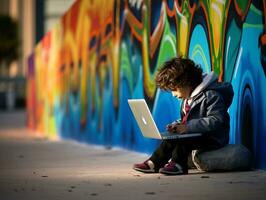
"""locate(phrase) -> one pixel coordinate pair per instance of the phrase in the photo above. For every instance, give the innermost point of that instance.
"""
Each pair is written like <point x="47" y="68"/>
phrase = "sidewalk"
<point x="35" y="168"/>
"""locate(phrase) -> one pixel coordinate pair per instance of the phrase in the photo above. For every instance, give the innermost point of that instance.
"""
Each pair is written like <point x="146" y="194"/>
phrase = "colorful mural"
<point x="104" y="52"/>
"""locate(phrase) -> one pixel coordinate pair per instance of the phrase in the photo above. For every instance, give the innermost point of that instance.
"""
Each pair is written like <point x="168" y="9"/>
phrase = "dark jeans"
<point x="179" y="150"/>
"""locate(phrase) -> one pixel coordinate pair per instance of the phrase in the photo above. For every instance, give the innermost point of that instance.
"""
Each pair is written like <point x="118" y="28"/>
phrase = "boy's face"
<point x="182" y="93"/>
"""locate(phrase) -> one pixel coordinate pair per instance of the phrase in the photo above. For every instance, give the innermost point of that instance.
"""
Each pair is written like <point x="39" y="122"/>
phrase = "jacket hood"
<point x="210" y="82"/>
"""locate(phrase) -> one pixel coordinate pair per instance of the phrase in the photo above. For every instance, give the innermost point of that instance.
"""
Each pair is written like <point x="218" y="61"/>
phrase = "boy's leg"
<point x="184" y="147"/>
<point x="179" y="158"/>
<point x="163" y="153"/>
<point x="158" y="159"/>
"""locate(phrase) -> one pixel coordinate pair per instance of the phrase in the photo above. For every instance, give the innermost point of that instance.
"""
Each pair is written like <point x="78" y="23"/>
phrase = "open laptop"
<point x="147" y="125"/>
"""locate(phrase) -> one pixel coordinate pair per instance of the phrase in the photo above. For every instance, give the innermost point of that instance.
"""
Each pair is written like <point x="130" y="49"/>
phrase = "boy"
<point x="204" y="109"/>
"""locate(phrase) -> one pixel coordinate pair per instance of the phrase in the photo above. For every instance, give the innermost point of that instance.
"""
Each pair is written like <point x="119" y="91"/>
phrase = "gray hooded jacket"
<point x="208" y="109"/>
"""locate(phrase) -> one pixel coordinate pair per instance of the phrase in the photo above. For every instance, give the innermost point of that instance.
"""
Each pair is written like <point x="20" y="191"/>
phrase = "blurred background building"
<point x="31" y="19"/>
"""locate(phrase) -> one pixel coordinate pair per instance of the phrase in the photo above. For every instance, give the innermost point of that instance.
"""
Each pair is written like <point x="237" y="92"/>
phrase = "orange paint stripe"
<point x="240" y="12"/>
<point x="157" y="34"/>
<point x="133" y="22"/>
<point x="169" y="12"/>
<point x="137" y="36"/>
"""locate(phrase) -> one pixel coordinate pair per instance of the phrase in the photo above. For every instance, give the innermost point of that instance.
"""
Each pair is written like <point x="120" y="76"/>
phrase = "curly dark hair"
<point x="178" y="72"/>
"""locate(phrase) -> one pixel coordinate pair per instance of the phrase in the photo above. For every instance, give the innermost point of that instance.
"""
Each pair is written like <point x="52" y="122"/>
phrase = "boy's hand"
<point x="170" y="128"/>
<point x="176" y="128"/>
<point x="181" y="128"/>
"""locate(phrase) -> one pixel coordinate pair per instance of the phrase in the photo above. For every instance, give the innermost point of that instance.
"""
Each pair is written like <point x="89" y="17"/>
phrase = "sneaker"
<point x="172" y="168"/>
<point x="145" y="167"/>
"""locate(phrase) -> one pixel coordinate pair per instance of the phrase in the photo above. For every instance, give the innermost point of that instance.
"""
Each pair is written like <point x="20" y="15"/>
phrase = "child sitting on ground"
<point x="205" y="102"/>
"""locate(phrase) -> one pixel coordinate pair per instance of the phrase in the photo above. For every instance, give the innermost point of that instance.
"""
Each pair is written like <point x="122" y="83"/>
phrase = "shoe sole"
<point x="172" y="173"/>
<point x="144" y="171"/>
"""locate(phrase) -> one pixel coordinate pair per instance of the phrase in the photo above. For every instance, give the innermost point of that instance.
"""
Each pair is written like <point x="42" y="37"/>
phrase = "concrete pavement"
<point x="35" y="168"/>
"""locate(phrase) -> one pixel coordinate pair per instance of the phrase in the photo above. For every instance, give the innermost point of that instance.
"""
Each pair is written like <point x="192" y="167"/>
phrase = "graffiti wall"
<point x="103" y="52"/>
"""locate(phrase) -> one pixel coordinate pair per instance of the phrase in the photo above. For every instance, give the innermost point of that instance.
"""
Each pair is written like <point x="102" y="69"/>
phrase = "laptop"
<point x="147" y="125"/>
